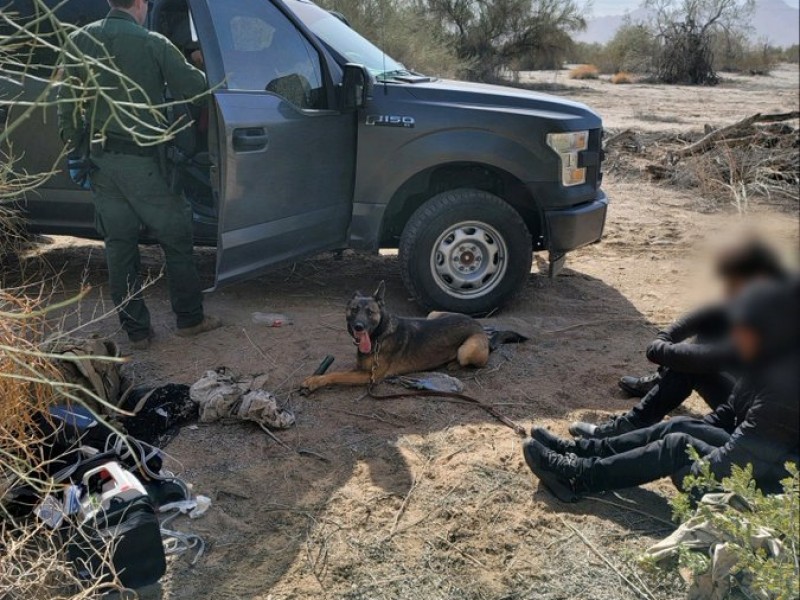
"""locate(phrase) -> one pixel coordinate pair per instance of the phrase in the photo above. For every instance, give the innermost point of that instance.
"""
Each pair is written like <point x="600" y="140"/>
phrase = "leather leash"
<point x="515" y="427"/>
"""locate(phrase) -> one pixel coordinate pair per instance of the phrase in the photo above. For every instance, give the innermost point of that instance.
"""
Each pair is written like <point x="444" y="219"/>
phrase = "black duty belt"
<point x="115" y="146"/>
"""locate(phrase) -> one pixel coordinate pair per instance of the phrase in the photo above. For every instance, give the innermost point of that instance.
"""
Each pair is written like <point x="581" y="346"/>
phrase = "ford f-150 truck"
<point x="314" y="140"/>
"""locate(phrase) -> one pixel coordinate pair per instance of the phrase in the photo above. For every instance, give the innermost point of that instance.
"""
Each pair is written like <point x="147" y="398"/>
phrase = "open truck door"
<point x="283" y="155"/>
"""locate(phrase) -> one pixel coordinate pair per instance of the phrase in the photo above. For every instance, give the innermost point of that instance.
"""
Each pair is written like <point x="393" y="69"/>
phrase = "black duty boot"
<point x="639" y="386"/>
<point x="553" y="442"/>
<point x="562" y="474"/>
<point x="616" y="425"/>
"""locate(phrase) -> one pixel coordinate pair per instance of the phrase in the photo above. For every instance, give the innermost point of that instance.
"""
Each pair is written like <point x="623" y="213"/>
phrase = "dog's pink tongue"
<point x="364" y="343"/>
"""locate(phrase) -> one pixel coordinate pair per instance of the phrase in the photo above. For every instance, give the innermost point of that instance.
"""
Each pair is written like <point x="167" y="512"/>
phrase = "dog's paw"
<point x="311" y="384"/>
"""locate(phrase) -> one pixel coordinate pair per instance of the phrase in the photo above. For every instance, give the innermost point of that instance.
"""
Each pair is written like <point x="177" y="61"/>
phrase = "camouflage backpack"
<point x="86" y="364"/>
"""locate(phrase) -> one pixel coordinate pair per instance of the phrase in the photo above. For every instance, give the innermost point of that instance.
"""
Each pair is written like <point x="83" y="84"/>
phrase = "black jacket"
<point x="710" y="352"/>
<point x="763" y="416"/>
<point x="763" y="412"/>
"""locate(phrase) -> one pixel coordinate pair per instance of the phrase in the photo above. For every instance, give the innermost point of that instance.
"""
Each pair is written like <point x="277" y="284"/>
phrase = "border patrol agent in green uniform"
<point x="129" y="188"/>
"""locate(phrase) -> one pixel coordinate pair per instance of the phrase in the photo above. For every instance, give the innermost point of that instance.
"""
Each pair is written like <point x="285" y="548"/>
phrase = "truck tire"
<point x="465" y="251"/>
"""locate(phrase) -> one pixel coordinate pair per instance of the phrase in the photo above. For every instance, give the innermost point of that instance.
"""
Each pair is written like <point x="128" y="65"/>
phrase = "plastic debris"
<point x="436" y="382"/>
<point x="195" y="508"/>
<point x="271" y="319"/>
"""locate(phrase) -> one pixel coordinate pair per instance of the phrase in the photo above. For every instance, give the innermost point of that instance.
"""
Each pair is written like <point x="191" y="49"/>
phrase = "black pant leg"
<point x="714" y="388"/>
<point x="601" y="448"/>
<point x="632" y="468"/>
<point x="699" y="430"/>
<point x="670" y="392"/>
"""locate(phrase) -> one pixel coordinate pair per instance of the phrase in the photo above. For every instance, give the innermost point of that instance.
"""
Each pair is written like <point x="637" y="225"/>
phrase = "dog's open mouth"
<point x="363" y="342"/>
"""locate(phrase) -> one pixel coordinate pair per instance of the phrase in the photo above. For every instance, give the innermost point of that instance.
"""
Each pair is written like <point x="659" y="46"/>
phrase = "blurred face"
<point x="746" y="341"/>
<point x="732" y="286"/>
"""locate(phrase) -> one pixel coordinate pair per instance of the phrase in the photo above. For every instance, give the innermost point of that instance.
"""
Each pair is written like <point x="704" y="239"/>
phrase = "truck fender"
<point x="478" y="146"/>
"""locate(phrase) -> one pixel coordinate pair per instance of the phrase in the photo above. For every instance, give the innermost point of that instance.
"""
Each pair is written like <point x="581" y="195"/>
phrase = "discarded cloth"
<point x="222" y="394"/>
<point x="698" y="534"/>
<point x="437" y="382"/>
<point x="158" y="413"/>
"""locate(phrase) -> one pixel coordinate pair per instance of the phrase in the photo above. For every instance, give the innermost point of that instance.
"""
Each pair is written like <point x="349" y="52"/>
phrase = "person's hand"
<point x="197" y="59"/>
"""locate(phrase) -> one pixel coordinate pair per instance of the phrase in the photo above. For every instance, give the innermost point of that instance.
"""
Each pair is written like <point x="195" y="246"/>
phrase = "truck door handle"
<point x="250" y="139"/>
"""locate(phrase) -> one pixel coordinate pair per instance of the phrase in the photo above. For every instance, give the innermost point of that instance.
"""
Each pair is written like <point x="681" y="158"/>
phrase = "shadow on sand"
<point x="267" y="501"/>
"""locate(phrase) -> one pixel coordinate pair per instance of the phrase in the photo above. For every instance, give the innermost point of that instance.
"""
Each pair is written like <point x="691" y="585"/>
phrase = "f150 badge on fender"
<point x="390" y="121"/>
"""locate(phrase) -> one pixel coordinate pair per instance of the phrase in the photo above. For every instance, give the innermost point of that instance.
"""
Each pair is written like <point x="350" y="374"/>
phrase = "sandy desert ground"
<point x="419" y="499"/>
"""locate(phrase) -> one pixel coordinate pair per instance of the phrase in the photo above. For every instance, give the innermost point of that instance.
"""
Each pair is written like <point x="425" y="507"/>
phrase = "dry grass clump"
<point x="584" y="72"/>
<point x="32" y="565"/>
<point x="621" y="78"/>
<point x="26" y="376"/>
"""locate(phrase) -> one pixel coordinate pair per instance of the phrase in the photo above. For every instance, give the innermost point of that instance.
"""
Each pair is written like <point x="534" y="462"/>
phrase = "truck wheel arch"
<point x="425" y="184"/>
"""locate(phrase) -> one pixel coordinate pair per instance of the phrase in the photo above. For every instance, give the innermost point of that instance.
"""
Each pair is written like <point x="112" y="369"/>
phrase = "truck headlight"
<point x="567" y="146"/>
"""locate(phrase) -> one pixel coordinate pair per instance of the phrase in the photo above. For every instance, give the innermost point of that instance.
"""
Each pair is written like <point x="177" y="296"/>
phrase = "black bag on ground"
<point x="129" y="532"/>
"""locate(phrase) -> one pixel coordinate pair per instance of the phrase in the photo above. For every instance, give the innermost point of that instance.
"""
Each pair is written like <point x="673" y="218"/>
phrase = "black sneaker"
<point x="553" y="442"/>
<point x="616" y="425"/>
<point x="638" y="387"/>
<point x="559" y="473"/>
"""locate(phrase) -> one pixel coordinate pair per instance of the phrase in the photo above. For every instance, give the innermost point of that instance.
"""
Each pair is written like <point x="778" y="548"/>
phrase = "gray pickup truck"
<point x="315" y="140"/>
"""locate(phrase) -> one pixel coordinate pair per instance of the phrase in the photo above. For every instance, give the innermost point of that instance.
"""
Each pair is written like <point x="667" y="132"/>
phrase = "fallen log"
<point x="709" y="140"/>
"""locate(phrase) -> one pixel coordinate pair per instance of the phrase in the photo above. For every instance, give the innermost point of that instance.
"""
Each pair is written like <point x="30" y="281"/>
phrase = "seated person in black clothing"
<point x="758" y="425"/>
<point x="694" y="352"/>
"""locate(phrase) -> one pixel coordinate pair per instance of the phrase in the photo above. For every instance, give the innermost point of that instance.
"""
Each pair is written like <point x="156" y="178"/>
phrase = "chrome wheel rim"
<point x="469" y="259"/>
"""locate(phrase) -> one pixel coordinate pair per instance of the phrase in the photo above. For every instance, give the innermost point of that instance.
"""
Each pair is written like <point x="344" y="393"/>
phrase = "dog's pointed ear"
<point x="380" y="293"/>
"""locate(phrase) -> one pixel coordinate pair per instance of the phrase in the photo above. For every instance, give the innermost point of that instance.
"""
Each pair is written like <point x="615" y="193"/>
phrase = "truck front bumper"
<point x="571" y="228"/>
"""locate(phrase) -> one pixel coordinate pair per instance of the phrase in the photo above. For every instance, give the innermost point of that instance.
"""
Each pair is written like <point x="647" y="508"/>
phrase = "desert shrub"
<point x="686" y="31"/>
<point x="584" y="72"/>
<point x="621" y="78"/>
<point x="757" y="61"/>
<point x="584" y="53"/>
<point x="501" y="34"/>
<point x="733" y="52"/>
<point x="792" y="54"/>
<point x="631" y="49"/>
<point x="755" y="571"/>
<point x="32" y="564"/>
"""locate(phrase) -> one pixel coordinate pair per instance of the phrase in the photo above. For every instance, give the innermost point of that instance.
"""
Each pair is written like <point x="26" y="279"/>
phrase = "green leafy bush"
<point x="759" y="573"/>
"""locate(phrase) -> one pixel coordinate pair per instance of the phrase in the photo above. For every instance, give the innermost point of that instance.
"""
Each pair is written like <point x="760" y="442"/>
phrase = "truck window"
<point x="341" y="40"/>
<point x="263" y="51"/>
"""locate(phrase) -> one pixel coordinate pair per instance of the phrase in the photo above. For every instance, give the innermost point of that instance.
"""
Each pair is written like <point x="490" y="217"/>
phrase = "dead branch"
<point x="708" y="140"/>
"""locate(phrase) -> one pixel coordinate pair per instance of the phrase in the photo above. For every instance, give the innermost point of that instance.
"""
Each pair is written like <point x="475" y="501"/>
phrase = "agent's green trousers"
<point x="129" y="192"/>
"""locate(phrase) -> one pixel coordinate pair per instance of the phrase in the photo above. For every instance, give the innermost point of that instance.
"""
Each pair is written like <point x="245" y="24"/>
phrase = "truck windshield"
<point x="344" y="41"/>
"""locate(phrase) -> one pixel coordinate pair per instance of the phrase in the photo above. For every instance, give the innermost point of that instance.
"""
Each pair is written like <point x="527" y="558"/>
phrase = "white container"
<point x="118" y="484"/>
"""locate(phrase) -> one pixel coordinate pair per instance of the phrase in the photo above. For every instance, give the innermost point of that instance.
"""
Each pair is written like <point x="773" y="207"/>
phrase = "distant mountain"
<point x="773" y="20"/>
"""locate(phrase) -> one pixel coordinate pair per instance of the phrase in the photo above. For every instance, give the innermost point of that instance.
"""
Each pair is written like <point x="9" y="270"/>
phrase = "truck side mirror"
<point x="356" y="87"/>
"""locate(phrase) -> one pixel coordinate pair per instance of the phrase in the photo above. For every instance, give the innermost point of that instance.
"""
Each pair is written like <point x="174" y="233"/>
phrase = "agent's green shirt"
<point x="146" y="61"/>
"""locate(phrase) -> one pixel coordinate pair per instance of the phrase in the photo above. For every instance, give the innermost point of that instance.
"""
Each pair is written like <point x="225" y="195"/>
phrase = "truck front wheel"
<point x="465" y="251"/>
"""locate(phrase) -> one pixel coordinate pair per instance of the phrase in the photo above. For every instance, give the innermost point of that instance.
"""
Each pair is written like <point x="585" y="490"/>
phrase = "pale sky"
<point x="617" y="7"/>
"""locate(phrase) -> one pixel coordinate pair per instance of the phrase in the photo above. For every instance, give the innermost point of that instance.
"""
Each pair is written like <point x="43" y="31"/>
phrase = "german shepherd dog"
<point x="389" y="345"/>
